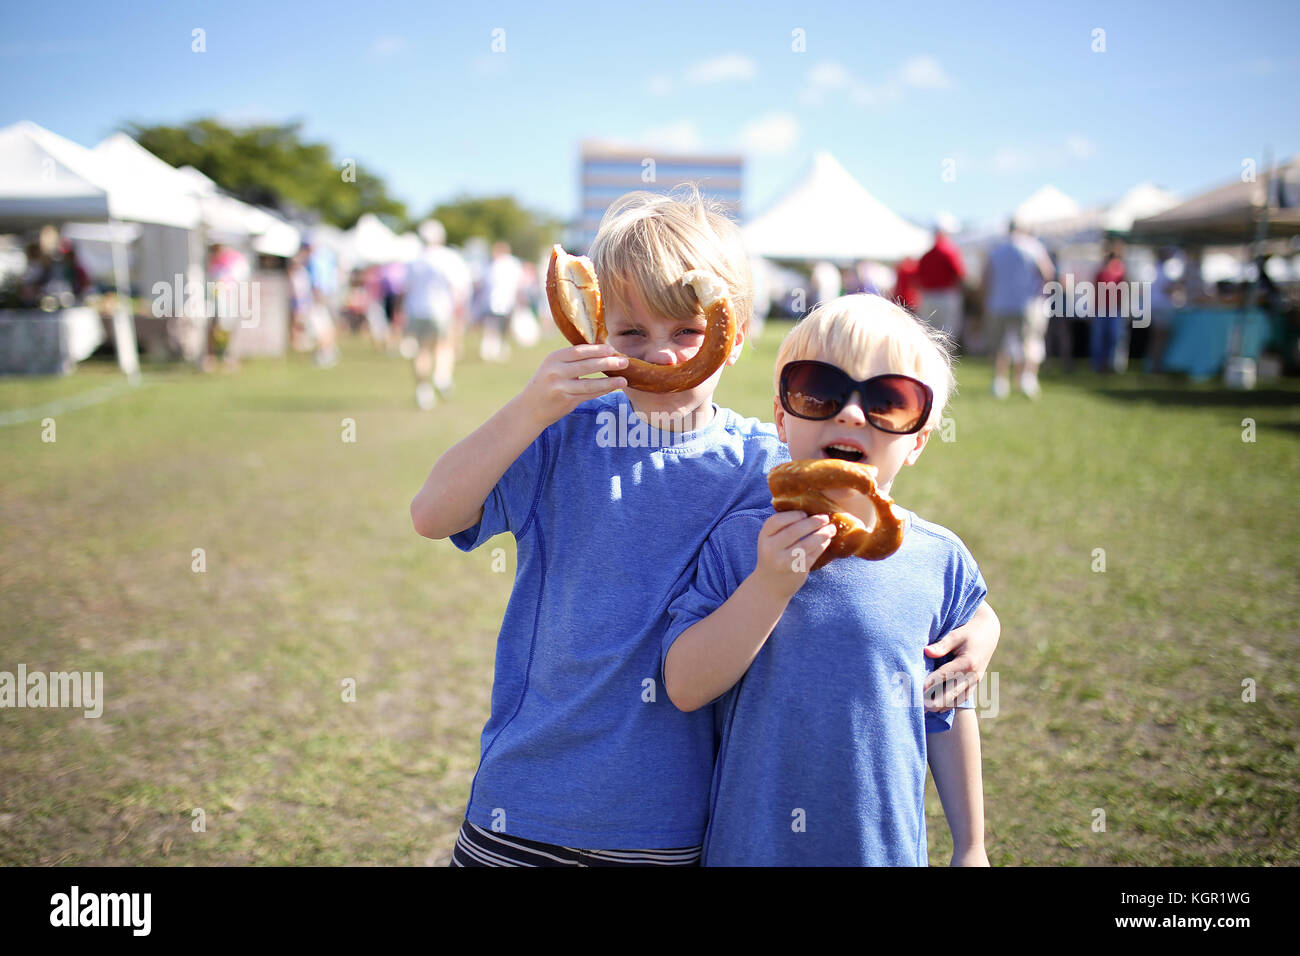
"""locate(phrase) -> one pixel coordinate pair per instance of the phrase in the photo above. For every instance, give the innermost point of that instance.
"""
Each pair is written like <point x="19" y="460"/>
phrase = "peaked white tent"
<point x="1144" y="199"/>
<point x="371" y="242"/>
<point x="829" y="215"/>
<point x="45" y="178"/>
<point x="226" y="218"/>
<point x="156" y="191"/>
<point x="1047" y="205"/>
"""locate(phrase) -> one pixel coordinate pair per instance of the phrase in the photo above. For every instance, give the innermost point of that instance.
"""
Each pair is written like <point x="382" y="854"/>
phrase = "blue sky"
<point x="1015" y="97"/>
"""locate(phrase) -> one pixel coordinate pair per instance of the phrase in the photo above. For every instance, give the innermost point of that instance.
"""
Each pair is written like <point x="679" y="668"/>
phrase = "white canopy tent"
<point x="226" y="218"/>
<point x="45" y="178"/>
<point x="829" y="215"/>
<point x="1144" y="199"/>
<point x="371" y="242"/>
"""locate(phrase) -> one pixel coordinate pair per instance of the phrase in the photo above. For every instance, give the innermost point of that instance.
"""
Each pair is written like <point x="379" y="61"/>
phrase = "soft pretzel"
<point x="574" y="296"/>
<point x="798" y="486"/>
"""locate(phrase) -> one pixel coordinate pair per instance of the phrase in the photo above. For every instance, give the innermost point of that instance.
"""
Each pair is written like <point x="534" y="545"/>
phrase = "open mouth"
<point x="842" y="452"/>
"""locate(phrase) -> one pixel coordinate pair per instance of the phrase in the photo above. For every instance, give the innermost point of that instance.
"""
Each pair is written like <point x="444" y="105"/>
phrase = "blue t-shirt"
<point x="583" y="747"/>
<point x="823" y="755"/>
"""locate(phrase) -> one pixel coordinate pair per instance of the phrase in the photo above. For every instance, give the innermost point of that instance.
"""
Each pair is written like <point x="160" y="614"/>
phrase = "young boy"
<point x="824" y="738"/>
<point x="584" y="761"/>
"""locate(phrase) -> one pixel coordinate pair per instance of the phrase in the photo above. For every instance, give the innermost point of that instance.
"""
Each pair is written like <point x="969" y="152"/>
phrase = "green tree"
<point x="270" y="164"/>
<point x="498" y="217"/>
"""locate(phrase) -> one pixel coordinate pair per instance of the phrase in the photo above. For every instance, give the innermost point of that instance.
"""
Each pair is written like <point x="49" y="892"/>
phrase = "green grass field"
<point x="1119" y="691"/>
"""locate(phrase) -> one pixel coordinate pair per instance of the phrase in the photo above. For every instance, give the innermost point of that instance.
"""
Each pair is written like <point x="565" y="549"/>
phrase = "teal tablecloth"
<point x="1199" y="340"/>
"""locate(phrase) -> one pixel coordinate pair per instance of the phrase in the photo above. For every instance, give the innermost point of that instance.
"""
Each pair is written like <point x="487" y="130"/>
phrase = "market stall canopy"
<point x="141" y="187"/>
<point x="1144" y="199"/>
<point x="829" y="215"/>
<point x="373" y="243"/>
<point x="45" y="178"/>
<point x="409" y="247"/>
<point x="1051" y="214"/>
<point x="1230" y="214"/>
<point x="229" y="219"/>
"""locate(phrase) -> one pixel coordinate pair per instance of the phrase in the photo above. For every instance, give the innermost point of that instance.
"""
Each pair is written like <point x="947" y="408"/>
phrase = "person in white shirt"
<point x="437" y="288"/>
<point x="826" y="283"/>
<point x="503" y="277"/>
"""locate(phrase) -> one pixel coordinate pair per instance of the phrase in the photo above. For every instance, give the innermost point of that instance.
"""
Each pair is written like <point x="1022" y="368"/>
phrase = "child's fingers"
<point x="792" y="534"/>
<point x="812" y="545"/>
<point x="587" y="387"/>
<point x="952" y="687"/>
<point x="580" y="353"/>
<point x="779" y="522"/>
<point x="601" y="363"/>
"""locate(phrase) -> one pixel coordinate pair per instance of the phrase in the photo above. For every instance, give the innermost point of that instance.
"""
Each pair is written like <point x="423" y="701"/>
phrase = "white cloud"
<point x="659" y="85"/>
<point x="683" y="136"/>
<point x="917" y="72"/>
<point x="877" y="94"/>
<point x="1010" y="159"/>
<point x="1080" y="147"/>
<point x="729" y="66"/>
<point x="925" y="73"/>
<point x="489" y="64"/>
<point x="1019" y="159"/>
<point x="830" y="75"/>
<point x="387" y="46"/>
<point x="771" y="133"/>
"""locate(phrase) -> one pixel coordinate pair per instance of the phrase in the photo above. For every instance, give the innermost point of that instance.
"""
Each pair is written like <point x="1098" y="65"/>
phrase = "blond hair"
<point x="855" y="331"/>
<point x="646" y="241"/>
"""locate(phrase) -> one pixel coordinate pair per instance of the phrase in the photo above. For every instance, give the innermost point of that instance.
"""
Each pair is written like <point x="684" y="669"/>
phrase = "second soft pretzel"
<point x="799" y="486"/>
<point x="574" y="296"/>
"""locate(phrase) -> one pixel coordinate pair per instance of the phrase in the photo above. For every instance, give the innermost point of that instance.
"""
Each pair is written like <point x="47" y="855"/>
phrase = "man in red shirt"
<point x="907" y="292"/>
<point x="940" y="275"/>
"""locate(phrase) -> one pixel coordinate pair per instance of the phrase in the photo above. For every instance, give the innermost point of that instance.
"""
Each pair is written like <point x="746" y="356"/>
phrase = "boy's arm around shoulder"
<point x="972" y="645"/>
<point x="452" y="497"/>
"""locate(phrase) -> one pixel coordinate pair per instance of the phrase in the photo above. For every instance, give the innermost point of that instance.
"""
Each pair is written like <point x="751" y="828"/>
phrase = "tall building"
<point x="610" y="171"/>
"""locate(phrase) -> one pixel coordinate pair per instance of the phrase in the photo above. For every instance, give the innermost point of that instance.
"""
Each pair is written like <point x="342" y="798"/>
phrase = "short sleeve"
<point x="965" y="590"/>
<point x="715" y="579"/>
<point x="511" y="504"/>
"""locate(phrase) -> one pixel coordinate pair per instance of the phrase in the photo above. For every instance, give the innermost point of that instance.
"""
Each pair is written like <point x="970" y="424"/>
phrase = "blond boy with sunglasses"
<point x="825" y="737"/>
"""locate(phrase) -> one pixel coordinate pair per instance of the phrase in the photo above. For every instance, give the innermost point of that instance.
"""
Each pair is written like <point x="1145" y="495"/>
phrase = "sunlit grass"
<point x="1119" y="691"/>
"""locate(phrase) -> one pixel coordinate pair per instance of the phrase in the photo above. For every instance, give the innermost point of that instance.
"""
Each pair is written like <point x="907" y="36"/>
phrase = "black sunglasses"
<point x="898" y="404"/>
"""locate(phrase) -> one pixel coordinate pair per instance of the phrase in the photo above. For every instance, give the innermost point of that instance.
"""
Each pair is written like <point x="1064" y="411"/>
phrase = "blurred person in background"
<point x="826" y="283"/>
<point x="376" y="316"/>
<point x="356" y="301"/>
<point x="37" y="274"/>
<point x="229" y="272"/>
<point x="503" y="277"/>
<point x="941" y="274"/>
<point x="907" y="286"/>
<point x="1061" y="329"/>
<point x="1164" y="299"/>
<point x="393" y="279"/>
<point x="300" y="298"/>
<point x="1106" y="332"/>
<point x="1014" y="314"/>
<point x="322" y="268"/>
<point x="437" y="289"/>
<point x="1195" y="289"/>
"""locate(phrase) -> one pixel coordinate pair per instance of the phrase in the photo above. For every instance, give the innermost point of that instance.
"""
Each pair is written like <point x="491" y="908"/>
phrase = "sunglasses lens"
<point x="813" y="391"/>
<point x="896" y="403"/>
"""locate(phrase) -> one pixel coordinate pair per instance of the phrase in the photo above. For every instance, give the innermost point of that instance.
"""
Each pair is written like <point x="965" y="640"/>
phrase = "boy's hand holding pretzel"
<point x="789" y="544"/>
<point x="558" y="385"/>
